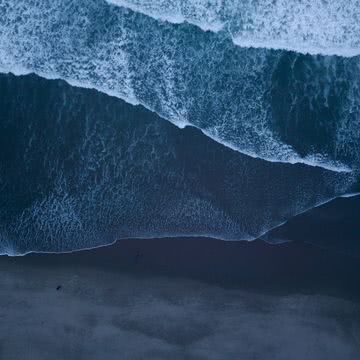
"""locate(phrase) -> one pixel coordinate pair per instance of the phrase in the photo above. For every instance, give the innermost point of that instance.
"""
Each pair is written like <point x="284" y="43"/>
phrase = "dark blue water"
<point x="82" y="169"/>
<point x="202" y="123"/>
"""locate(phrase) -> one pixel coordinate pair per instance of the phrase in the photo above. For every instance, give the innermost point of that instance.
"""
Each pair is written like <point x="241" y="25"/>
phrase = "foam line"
<point x="12" y="253"/>
<point x="306" y="26"/>
<point x="190" y="77"/>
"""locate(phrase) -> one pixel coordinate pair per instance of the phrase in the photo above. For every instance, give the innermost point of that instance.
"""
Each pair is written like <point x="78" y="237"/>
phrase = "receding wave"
<point x="274" y="105"/>
<point x="80" y="169"/>
<point x="333" y="225"/>
<point x="305" y="26"/>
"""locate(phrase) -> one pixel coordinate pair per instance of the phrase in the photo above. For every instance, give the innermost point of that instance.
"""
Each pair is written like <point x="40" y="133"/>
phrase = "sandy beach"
<point x="181" y="299"/>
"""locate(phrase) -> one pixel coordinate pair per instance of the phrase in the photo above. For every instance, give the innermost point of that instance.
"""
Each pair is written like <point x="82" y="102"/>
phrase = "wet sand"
<point x="181" y="299"/>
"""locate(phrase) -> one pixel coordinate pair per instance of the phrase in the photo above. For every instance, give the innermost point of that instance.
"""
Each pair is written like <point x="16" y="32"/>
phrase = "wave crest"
<point x="246" y="99"/>
<point x="306" y="26"/>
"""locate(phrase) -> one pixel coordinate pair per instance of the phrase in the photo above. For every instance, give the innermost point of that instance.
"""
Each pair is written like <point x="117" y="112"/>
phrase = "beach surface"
<point x="181" y="299"/>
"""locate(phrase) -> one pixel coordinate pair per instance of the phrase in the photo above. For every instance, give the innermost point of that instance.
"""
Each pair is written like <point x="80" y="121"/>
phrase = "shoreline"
<point x="281" y="268"/>
<point x="197" y="299"/>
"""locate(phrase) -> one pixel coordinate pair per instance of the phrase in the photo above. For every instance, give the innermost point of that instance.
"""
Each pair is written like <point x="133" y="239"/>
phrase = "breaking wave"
<point x="306" y="26"/>
<point x="274" y="105"/>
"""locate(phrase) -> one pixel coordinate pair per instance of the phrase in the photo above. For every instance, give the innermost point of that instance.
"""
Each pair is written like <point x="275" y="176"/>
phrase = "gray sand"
<point x="98" y="314"/>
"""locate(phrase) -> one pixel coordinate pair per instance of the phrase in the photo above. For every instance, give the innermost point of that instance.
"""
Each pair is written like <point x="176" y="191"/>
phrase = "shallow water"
<point x="81" y="169"/>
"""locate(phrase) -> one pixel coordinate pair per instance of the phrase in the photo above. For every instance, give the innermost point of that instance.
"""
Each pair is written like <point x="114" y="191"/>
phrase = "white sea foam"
<point x="307" y="26"/>
<point x="188" y="77"/>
